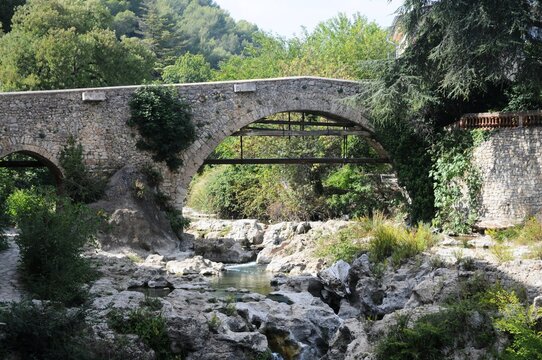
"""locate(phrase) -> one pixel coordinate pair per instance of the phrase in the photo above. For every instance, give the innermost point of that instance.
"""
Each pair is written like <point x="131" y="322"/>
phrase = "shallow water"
<point x="250" y="276"/>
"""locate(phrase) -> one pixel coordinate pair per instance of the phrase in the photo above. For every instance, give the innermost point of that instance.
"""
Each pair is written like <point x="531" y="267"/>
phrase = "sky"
<point x="286" y="17"/>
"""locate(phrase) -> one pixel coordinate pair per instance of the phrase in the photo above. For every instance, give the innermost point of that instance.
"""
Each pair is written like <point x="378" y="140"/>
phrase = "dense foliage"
<point x="46" y="332"/>
<point x="56" y="44"/>
<point x="79" y="184"/>
<point x="164" y="123"/>
<point x="188" y="68"/>
<point x="453" y="328"/>
<point x="18" y="178"/>
<point x="334" y="49"/>
<point x="148" y="325"/>
<point x="454" y="58"/>
<point x="52" y="234"/>
<point x="457" y="180"/>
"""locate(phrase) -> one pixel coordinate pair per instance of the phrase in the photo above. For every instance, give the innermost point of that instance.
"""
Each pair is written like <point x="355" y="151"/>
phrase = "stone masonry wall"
<point x="510" y="163"/>
<point x="41" y="122"/>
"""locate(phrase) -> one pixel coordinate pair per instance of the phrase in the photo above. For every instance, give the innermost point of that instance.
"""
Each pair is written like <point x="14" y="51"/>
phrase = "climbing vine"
<point x="164" y="123"/>
<point x="457" y="181"/>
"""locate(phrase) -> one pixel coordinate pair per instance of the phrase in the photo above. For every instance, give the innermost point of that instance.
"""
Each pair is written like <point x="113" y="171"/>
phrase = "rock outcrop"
<point x="134" y="220"/>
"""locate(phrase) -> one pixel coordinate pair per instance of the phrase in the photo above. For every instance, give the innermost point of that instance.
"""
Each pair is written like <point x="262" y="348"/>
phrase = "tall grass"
<point x="380" y="237"/>
<point x="399" y="243"/>
<point x="529" y="234"/>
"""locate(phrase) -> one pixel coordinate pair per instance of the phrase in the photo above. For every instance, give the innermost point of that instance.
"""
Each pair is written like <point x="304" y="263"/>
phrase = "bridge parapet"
<point x="496" y="120"/>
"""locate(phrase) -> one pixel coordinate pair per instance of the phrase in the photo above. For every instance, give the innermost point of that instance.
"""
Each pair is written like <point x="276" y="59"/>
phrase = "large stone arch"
<point x="333" y="108"/>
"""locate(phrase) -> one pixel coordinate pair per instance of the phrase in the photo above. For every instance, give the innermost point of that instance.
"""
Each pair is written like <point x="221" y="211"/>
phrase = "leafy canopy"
<point x="56" y="44"/>
<point x="188" y="68"/>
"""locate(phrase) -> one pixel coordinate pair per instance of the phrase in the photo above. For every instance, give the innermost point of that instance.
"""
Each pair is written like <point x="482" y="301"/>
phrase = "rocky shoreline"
<point x="324" y="311"/>
<point x="317" y="309"/>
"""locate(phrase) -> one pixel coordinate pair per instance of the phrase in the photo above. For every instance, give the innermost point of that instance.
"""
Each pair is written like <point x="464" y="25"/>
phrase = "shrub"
<point x="434" y="336"/>
<point x="53" y="232"/>
<point x="457" y="181"/>
<point x="164" y="123"/>
<point x="176" y="219"/>
<point x="150" y="327"/>
<point x="504" y="234"/>
<point x="535" y="252"/>
<point x="22" y="202"/>
<point x="529" y="233"/>
<point x="384" y="242"/>
<point x="80" y="185"/>
<point x="154" y="177"/>
<point x="502" y="253"/>
<point x="520" y="323"/>
<point x="42" y="332"/>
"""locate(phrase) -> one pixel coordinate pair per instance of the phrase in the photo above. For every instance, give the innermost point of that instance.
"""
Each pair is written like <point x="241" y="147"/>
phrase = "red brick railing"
<point x="499" y="120"/>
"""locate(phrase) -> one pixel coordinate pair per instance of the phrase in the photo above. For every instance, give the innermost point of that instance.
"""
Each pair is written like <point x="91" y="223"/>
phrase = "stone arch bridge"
<point x="39" y="123"/>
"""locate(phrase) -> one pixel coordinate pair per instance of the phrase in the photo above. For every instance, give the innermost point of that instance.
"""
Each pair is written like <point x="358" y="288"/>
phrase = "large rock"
<point x="194" y="265"/>
<point x="336" y="277"/>
<point x="198" y="328"/>
<point x="134" y="221"/>
<point x="247" y="232"/>
<point x="224" y="250"/>
<point x="301" y="329"/>
<point x="289" y="247"/>
<point x="349" y="342"/>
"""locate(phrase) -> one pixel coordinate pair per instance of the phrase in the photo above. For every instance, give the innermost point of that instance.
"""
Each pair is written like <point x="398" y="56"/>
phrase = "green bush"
<point x="175" y="217"/>
<point x="453" y="171"/>
<point x="439" y="335"/>
<point x="521" y="323"/>
<point x="164" y="123"/>
<point x="435" y="336"/>
<point x="359" y="194"/>
<point x="528" y="233"/>
<point x="52" y="234"/>
<point x="531" y="232"/>
<point x="154" y="177"/>
<point x="505" y="234"/>
<point x="80" y="185"/>
<point x="150" y="327"/>
<point x="42" y="332"/>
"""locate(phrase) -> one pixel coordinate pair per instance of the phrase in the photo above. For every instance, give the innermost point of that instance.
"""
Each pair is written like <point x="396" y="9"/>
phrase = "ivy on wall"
<point x="457" y="181"/>
<point x="164" y="123"/>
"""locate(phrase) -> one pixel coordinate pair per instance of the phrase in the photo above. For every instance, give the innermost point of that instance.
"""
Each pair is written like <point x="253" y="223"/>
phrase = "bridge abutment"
<point x="510" y="164"/>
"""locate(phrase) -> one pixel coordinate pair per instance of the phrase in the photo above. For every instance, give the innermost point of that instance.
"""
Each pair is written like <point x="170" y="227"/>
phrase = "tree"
<point x="56" y="44"/>
<point x="334" y="49"/>
<point x="456" y="57"/>
<point x="188" y="68"/>
<point x="463" y="57"/>
<point x="7" y="9"/>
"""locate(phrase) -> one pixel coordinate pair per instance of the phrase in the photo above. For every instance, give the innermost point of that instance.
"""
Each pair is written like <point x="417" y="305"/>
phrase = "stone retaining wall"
<point x="510" y="163"/>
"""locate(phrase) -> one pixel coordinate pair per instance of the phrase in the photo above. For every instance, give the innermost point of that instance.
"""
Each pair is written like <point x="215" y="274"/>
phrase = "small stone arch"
<point x="40" y="155"/>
